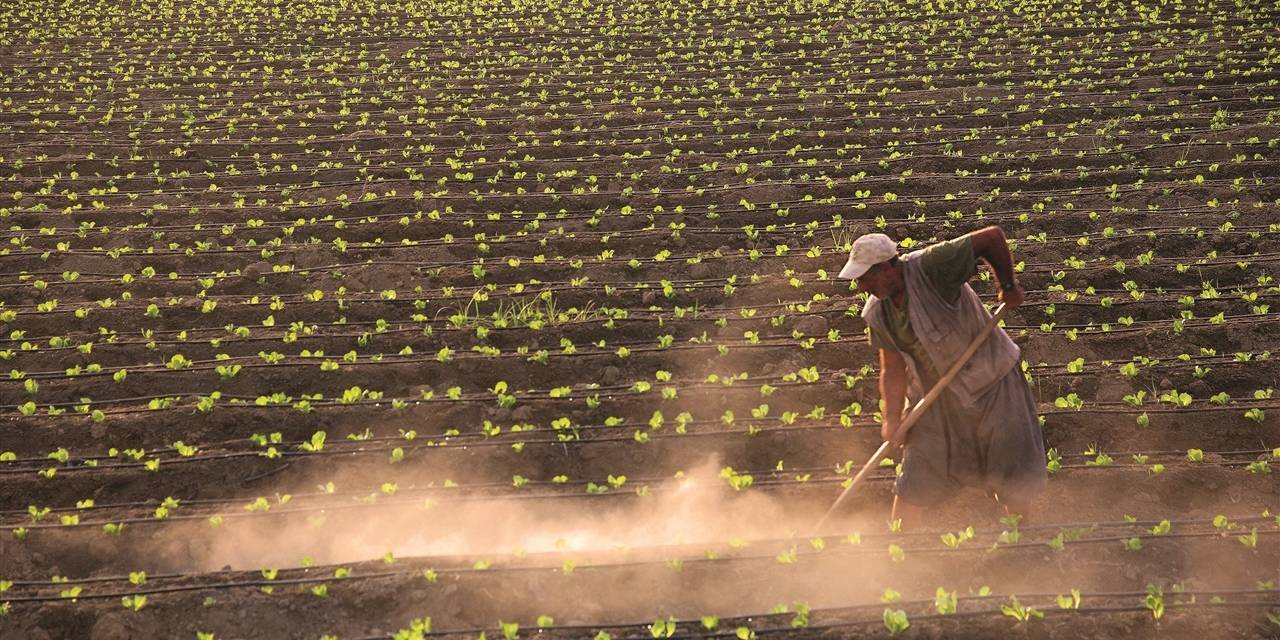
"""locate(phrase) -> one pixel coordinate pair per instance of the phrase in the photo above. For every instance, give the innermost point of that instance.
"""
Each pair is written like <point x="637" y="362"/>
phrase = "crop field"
<point x="520" y="319"/>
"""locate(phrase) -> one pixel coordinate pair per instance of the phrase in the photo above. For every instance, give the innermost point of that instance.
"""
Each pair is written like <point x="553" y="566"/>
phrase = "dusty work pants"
<point x="994" y="444"/>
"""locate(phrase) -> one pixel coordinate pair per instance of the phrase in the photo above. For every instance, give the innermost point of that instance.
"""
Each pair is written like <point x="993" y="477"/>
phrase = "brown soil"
<point x="590" y="208"/>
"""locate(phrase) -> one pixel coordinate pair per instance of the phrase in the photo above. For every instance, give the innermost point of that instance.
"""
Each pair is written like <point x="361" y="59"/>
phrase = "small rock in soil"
<point x="110" y="627"/>
<point x="256" y="270"/>
<point x="812" y="325"/>
<point x="1112" y="390"/>
<point x="1199" y="389"/>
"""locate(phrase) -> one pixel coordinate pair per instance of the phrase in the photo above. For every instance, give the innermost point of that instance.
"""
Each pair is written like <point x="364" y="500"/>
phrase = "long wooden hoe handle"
<point x="918" y="410"/>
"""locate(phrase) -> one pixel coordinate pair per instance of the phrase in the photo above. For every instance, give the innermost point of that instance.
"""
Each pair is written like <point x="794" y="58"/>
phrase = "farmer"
<point x="983" y="430"/>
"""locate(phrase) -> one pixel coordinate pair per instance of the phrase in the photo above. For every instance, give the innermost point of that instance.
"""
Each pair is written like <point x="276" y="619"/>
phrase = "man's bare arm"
<point x="991" y="245"/>
<point x="893" y="394"/>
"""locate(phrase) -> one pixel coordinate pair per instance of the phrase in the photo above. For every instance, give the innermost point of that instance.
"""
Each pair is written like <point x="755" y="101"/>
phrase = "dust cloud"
<point x="638" y="538"/>
<point x="689" y="511"/>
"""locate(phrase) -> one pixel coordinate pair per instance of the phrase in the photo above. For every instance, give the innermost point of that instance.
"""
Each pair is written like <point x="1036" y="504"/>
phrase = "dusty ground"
<point x="550" y="283"/>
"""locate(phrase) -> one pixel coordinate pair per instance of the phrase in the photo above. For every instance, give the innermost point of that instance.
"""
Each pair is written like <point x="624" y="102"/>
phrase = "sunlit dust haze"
<point x="692" y="510"/>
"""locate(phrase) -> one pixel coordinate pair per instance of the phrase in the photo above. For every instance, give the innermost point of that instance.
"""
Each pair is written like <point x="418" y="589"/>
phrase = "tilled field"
<point x="371" y="320"/>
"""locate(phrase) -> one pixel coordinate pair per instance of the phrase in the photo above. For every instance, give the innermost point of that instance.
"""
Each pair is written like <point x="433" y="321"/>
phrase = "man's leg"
<point x="1015" y="506"/>
<point x="924" y="480"/>
<point x="911" y="515"/>
<point x="1010" y="429"/>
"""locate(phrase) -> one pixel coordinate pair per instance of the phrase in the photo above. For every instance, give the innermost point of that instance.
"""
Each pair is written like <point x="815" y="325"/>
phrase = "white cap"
<point x="870" y="249"/>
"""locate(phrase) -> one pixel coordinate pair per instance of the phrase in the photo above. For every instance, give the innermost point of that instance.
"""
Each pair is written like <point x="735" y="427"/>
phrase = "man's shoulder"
<point x="946" y="247"/>
<point x="948" y="264"/>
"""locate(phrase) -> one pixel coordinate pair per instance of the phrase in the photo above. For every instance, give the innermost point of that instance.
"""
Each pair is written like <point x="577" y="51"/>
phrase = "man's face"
<point x="876" y="280"/>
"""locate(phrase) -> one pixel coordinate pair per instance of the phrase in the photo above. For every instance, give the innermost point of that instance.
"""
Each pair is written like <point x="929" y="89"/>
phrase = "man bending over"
<point x="983" y="431"/>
